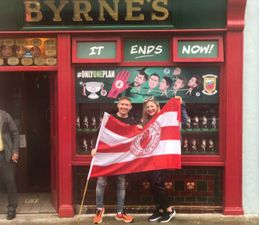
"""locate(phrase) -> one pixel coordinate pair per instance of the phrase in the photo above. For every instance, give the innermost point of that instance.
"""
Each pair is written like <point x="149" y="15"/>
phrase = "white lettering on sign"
<point x="96" y="74"/>
<point x="143" y="51"/>
<point x="197" y="49"/>
<point x="96" y="50"/>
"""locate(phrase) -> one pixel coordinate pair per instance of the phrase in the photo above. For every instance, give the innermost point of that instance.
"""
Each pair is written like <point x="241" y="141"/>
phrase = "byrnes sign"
<point x="96" y="11"/>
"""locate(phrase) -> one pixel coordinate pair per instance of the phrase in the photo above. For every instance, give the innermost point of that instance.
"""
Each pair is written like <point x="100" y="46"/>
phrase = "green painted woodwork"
<point x="183" y="14"/>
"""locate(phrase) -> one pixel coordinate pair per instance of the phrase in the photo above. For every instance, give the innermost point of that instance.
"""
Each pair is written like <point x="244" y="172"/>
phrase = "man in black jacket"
<point x="9" y="154"/>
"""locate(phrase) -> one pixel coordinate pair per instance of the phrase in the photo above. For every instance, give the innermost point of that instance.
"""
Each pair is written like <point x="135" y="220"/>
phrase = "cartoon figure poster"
<point x="104" y="85"/>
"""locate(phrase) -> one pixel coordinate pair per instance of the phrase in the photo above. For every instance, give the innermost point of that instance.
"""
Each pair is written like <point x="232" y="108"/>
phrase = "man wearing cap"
<point x="9" y="147"/>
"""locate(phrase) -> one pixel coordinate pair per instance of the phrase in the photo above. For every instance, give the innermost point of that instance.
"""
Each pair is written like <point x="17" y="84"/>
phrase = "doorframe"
<point x="54" y="186"/>
<point x="65" y="132"/>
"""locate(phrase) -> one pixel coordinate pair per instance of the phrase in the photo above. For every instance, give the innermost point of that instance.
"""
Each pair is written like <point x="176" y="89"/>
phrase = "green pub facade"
<point x="60" y="59"/>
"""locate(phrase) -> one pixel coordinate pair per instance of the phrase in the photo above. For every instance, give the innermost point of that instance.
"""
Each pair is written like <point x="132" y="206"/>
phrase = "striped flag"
<point x="124" y="149"/>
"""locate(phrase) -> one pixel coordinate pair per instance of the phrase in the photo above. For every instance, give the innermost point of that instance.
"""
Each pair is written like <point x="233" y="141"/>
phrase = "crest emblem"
<point x="209" y="84"/>
<point x="147" y="141"/>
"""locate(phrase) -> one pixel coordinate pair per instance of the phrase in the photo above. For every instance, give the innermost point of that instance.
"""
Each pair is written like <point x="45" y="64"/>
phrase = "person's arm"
<point x="15" y="138"/>
<point x="184" y="114"/>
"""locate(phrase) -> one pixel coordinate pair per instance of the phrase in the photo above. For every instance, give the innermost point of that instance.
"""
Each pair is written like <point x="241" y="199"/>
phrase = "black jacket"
<point x="10" y="135"/>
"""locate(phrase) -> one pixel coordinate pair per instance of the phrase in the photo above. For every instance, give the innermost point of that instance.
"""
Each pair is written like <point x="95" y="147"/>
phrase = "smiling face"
<point x="139" y="80"/>
<point x="192" y="83"/>
<point x="178" y="84"/>
<point x="124" y="106"/>
<point x="163" y="85"/>
<point x="153" y="81"/>
<point x="151" y="108"/>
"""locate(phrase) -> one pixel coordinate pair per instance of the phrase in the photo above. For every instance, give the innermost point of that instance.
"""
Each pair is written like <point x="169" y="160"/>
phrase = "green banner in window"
<point x="146" y="50"/>
<point x="107" y="84"/>
<point x="96" y="50"/>
<point x="198" y="49"/>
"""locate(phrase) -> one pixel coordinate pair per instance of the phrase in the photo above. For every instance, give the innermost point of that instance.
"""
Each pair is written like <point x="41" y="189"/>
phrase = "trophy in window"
<point x="93" y="123"/>
<point x="211" y="145"/>
<point x="188" y="123"/>
<point x="195" y="122"/>
<point x="185" y="145"/>
<point x="92" y="145"/>
<point x="203" y="145"/>
<point x="204" y="123"/>
<point x="85" y="123"/>
<point x="78" y="126"/>
<point x="93" y="88"/>
<point x="194" y="145"/>
<point x="213" y="122"/>
<point x="100" y="119"/>
<point x="85" y="145"/>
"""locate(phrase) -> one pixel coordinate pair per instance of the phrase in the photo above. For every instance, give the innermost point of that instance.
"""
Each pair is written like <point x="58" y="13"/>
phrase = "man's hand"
<point x="15" y="157"/>
<point x="140" y="127"/>
<point x="120" y="84"/>
<point x="93" y="152"/>
<point x="180" y="98"/>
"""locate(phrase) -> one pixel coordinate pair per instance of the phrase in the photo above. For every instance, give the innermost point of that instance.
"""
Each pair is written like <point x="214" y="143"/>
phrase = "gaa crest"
<point x="147" y="141"/>
<point x="209" y="84"/>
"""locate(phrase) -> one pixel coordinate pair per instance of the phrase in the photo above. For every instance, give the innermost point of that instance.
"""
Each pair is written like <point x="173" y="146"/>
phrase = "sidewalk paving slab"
<point x="140" y="219"/>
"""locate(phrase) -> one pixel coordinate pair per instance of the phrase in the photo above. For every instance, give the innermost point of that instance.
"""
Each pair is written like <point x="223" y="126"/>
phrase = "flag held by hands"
<point x="124" y="149"/>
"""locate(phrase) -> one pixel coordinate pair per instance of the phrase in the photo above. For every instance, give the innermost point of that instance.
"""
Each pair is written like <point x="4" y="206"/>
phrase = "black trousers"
<point x="157" y="179"/>
<point x="8" y="180"/>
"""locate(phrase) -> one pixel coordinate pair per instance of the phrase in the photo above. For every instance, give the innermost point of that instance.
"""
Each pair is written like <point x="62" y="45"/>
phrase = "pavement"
<point x="140" y="219"/>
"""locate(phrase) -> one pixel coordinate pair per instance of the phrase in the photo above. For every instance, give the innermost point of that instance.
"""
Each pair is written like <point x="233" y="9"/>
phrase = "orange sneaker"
<point x="98" y="217"/>
<point x="124" y="217"/>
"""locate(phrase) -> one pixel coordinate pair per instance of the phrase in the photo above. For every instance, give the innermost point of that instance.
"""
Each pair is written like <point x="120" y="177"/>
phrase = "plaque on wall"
<point x="8" y="42"/>
<point x="50" y="43"/>
<point x="21" y="42"/>
<point x="28" y="51"/>
<point x="50" y="52"/>
<point x="20" y="51"/>
<point x="39" y="61"/>
<point x="6" y="51"/>
<point x="13" y="61"/>
<point x="26" y="61"/>
<point x="35" y="51"/>
<point x="37" y="42"/>
<point x="51" y="61"/>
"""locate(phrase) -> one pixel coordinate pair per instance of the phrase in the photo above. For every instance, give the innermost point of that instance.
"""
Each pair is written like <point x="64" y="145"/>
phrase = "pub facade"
<point x="63" y="64"/>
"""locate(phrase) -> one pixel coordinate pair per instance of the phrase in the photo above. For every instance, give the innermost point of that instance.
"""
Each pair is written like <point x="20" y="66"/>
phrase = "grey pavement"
<point x="180" y="219"/>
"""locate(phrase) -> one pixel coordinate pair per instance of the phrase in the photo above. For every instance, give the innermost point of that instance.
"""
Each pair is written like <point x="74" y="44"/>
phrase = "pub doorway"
<point x="26" y="96"/>
<point x="37" y="114"/>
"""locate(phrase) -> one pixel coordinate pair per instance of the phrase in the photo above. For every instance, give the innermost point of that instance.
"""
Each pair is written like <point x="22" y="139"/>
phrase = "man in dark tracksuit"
<point x="9" y="147"/>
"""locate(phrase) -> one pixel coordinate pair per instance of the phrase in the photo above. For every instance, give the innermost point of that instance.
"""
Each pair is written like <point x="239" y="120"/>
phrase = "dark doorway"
<point x="38" y="132"/>
<point x="25" y="95"/>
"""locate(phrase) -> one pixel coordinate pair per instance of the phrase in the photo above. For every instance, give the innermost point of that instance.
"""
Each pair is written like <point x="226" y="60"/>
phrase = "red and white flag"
<point x="124" y="149"/>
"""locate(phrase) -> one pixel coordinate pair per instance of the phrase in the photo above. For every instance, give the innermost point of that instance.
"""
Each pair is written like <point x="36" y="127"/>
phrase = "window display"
<point x="28" y="52"/>
<point x="97" y="91"/>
